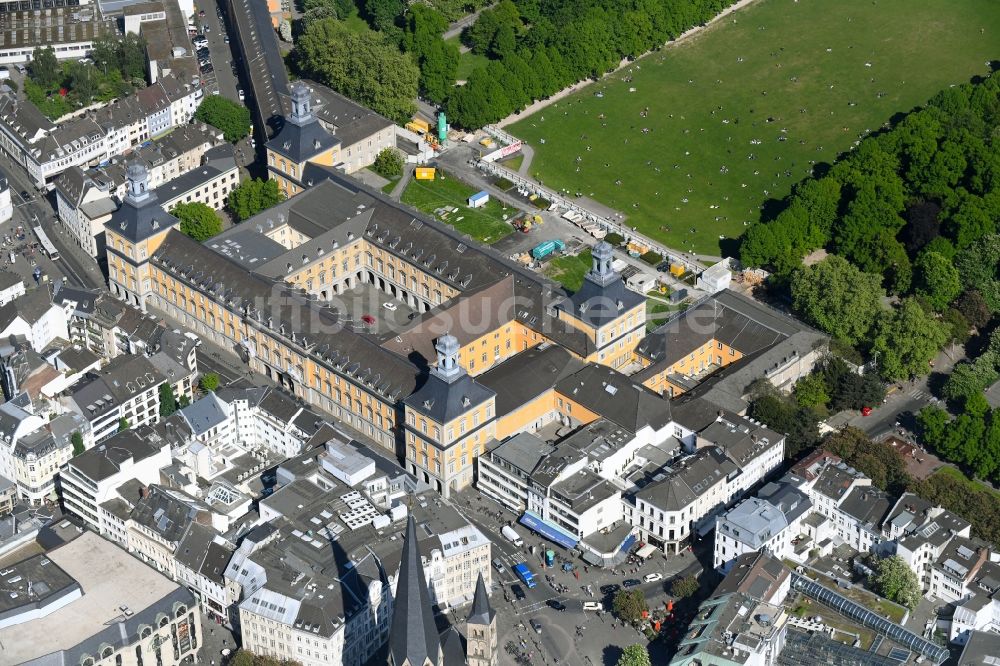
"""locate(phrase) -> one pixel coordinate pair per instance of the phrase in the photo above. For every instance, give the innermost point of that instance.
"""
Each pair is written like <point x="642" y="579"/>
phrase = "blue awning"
<point x="553" y="533"/>
<point x="628" y="543"/>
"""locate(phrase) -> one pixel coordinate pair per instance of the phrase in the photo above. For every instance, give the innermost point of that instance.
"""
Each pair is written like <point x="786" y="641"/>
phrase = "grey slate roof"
<point x="481" y="611"/>
<point x="695" y="475"/>
<point x="107" y="458"/>
<point x="413" y="636"/>
<point x="30" y="306"/>
<point x="167" y="512"/>
<point x="443" y="401"/>
<point x="616" y="397"/>
<point x="205" y="414"/>
<point x="527" y="375"/>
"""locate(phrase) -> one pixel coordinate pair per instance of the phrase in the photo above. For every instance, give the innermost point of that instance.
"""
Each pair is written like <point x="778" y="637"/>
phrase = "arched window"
<point x="107" y="652"/>
<point x="145" y="631"/>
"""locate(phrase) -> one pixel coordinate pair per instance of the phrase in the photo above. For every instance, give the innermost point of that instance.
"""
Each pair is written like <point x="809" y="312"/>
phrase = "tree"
<point x="44" y="67"/>
<point x="894" y="580"/>
<point x="937" y="280"/>
<point x="285" y="30"/>
<point x="685" y="587"/>
<point x="437" y="59"/>
<point x="634" y="655"/>
<point x="388" y="163"/>
<point x="168" y="401"/>
<point x="198" y="220"/>
<point x="811" y="391"/>
<point x="906" y="340"/>
<point x="879" y="461"/>
<point x="836" y="297"/>
<point x="977" y="267"/>
<point x="209" y="382"/>
<point x="367" y="67"/>
<point x="252" y="196"/>
<point x="629" y="605"/>
<point x="974" y="308"/>
<point x="226" y="115"/>
<point x="77" y="440"/>
<point x="800" y="424"/>
<point x="123" y="424"/>
<point x="847" y="388"/>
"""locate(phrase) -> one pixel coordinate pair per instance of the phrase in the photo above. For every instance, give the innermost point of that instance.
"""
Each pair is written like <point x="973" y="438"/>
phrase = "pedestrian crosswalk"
<point x="918" y="394"/>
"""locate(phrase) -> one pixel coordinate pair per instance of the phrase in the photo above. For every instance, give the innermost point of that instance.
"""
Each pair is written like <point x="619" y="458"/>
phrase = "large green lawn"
<point x="467" y="61"/>
<point x="485" y="224"/>
<point x="737" y="113"/>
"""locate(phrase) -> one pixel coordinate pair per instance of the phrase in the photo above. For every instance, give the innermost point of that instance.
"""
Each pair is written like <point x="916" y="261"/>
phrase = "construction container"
<point x="478" y="199"/>
<point x="425" y="173"/>
<point x="419" y="126"/>
<point x="546" y="248"/>
<point x="677" y="270"/>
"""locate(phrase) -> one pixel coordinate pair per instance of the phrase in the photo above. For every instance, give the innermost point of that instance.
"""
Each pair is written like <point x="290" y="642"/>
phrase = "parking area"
<point x="380" y="311"/>
<point x="21" y="252"/>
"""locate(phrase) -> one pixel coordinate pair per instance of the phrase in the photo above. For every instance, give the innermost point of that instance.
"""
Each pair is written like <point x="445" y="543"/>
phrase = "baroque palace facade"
<point x="281" y="289"/>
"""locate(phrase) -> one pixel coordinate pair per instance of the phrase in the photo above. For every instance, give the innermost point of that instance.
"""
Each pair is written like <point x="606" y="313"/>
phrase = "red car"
<point x="370" y="320"/>
<point x="865" y="411"/>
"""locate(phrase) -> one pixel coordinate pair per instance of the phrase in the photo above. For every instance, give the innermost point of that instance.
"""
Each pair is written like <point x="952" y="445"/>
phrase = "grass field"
<point x="569" y="270"/>
<point x="956" y="476"/>
<point x="737" y="113"/>
<point x="484" y="224"/>
<point x="467" y="61"/>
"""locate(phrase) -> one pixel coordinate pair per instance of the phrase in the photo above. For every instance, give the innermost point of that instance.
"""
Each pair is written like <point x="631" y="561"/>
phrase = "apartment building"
<point x="11" y="286"/>
<point x="90" y="483"/>
<point x="34" y="316"/>
<point x="318" y="620"/>
<point x="922" y="532"/>
<point x="127" y="388"/>
<point x="45" y="149"/>
<point x="769" y="522"/>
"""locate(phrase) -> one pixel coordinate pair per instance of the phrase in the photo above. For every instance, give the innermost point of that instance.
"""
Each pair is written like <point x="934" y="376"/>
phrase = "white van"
<point x="512" y="536"/>
<point x="593" y="606"/>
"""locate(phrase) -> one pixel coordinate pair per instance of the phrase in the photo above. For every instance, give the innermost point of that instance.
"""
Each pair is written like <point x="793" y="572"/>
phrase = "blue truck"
<point x="524" y="573"/>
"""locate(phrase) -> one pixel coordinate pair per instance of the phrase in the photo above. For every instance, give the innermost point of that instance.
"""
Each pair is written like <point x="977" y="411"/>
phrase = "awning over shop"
<point x="553" y="533"/>
<point x="646" y="551"/>
<point x="628" y="543"/>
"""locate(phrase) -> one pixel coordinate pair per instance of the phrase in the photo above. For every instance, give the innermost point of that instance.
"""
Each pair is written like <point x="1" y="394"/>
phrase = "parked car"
<point x="390" y="306"/>
<point x="241" y="94"/>
<point x="497" y="564"/>
<point x="226" y="39"/>
<point x="630" y="582"/>
<point x="536" y="625"/>
<point x="517" y="590"/>
<point x="593" y="606"/>
<point x="610" y="589"/>
<point x="653" y="577"/>
<point x="556" y="604"/>
<point x="368" y="319"/>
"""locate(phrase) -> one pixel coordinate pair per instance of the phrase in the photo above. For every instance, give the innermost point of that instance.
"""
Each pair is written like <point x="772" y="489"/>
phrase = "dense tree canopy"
<point x="906" y="339"/>
<point x="895" y="580"/>
<point x="630" y="604"/>
<point x="634" y="655"/>
<point x="879" y="461"/>
<point x="539" y="48"/>
<point x="436" y="58"/>
<point x="232" y="119"/>
<point x="837" y="298"/>
<point x="388" y="163"/>
<point x="198" y="220"/>
<point x="911" y="204"/>
<point x="367" y="67"/>
<point x="252" y="196"/>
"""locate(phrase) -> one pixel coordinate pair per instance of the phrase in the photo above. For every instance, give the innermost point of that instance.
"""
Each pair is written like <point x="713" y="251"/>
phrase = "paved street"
<point x="73" y="264"/>
<point x="902" y="404"/>
<point x="214" y="639"/>
<point x="559" y="642"/>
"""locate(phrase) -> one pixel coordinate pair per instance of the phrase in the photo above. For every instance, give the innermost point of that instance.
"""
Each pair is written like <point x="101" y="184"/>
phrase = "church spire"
<point x="413" y="636"/>
<point x="448" y="368"/>
<point x="481" y="611"/>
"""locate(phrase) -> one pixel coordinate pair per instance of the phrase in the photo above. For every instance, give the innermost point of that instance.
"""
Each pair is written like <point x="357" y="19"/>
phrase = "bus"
<point x="524" y="573"/>
<point x="47" y="246"/>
